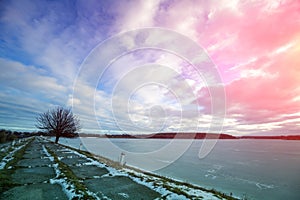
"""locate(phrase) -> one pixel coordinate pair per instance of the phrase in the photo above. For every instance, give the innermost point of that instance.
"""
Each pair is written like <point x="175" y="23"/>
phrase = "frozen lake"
<point x="257" y="169"/>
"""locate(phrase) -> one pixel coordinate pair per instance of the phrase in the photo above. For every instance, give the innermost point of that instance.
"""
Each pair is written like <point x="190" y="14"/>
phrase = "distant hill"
<point x="176" y="136"/>
<point x="192" y="136"/>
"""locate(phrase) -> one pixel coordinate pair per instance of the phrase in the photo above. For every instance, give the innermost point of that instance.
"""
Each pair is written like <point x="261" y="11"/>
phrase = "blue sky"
<point x="80" y="54"/>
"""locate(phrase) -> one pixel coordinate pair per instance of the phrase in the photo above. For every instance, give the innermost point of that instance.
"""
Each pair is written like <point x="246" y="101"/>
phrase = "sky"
<point x="153" y="66"/>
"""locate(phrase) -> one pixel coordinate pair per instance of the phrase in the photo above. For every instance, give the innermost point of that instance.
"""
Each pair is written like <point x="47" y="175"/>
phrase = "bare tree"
<point x="59" y="121"/>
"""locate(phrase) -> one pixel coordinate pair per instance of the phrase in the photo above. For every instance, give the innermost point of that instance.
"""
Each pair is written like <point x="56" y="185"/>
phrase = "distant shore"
<point x="190" y="135"/>
<point x="9" y="136"/>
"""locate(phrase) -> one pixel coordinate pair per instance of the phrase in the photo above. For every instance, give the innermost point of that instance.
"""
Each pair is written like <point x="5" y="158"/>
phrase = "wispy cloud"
<point x="26" y="91"/>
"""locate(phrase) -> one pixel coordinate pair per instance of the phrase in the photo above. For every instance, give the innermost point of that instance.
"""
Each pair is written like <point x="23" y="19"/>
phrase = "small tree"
<point x="59" y="121"/>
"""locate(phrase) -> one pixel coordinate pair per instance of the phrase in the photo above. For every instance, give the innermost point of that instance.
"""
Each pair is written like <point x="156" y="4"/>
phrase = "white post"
<point x="122" y="159"/>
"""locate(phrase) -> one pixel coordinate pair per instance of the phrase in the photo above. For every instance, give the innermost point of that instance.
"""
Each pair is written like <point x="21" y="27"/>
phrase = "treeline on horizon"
<point x="8" y="135"/>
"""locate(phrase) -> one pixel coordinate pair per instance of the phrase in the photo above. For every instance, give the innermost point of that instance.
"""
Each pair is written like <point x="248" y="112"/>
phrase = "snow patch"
<point x="112" y="171"/>
<point x="159" y="185"/>
<point x="10" y="156"/>
<point x="123" y="195"/>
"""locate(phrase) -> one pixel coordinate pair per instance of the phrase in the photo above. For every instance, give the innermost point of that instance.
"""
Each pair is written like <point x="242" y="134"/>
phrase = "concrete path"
<point x="32" y="174"/>
<point x="38" y="175"/>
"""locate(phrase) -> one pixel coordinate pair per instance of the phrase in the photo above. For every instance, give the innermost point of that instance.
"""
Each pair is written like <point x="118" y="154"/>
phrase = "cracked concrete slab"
<point x="36" y="162"/>
<point x="120" y="187"/>
<point x="33" y="175"/>
<point x="88" y="171"/>
<point x="30" y="155"/>
<point x="71" y="161"/>
<point x="34" y="192"/>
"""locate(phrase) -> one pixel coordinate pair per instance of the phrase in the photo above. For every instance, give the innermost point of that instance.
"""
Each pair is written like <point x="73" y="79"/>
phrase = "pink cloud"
<point x="233" y="32"/>
<point x="250" y="31"/>
<point x="268" y="98"/>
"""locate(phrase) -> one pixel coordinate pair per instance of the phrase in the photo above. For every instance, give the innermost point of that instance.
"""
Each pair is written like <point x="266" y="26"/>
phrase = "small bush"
<point x="3" y="136"/>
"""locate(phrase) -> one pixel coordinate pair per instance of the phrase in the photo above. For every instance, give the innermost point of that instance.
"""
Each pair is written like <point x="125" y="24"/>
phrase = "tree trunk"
<point x="56" y="139"/>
